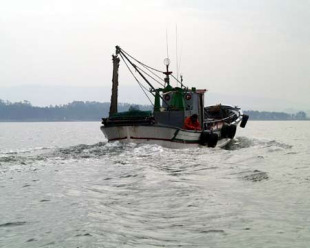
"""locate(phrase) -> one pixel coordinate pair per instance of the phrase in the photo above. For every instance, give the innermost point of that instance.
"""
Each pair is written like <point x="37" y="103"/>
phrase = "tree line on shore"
<point x="264" y="115"/>
<point x="94" y="111"/>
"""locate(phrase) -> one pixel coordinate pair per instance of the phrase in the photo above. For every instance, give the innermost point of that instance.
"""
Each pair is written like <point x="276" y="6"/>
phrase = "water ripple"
<point x="13" y="224"/>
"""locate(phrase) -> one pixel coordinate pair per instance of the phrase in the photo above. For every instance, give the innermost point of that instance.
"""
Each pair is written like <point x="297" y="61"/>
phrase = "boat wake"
<point x="244" y="142"/>
<point x="122" y="152"/>
<point x="240" y="143"/>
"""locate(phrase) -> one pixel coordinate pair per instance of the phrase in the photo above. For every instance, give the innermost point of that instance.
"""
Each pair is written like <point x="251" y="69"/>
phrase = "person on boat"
<point x="192" y="123"/>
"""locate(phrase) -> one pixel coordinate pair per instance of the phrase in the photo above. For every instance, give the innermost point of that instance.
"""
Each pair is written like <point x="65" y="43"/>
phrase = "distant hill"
<point x="274" y="116"/>
<point x="94" y="111"/>
<point x="46" y="95"/>
<point x="75" y="111"/>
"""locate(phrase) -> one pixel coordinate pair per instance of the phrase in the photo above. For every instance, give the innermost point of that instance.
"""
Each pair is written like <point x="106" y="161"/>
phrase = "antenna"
<point x="167" y="42"/>
<point x="176" y="51"/>
<point x="180" y="58"/>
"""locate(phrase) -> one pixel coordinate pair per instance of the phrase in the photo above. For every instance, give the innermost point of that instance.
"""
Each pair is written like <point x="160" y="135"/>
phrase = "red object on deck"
<point x="190" y="125"/>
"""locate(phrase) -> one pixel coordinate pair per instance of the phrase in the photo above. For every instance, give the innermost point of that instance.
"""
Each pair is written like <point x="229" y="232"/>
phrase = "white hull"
<point x="161" y="135"/>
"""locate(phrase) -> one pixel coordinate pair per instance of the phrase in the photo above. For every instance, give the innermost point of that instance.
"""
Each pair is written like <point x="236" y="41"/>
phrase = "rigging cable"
<point x="149" y="68"/>
<point x="160" y="78"/>
<point x="123" y="56"/>
<point x="141" y="86"/>
<point x="146" y="66"/>
<point x="182" y="85"/>
<point x="150" y="76"/>
<point x="140" y="62"/>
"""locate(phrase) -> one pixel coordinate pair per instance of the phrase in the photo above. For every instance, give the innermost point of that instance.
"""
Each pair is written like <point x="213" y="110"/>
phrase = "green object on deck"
<point x="157" y="101"/>
<point x="178" y="99"/>
<point x="132" y="114"/>
<point x="167" y="88"/>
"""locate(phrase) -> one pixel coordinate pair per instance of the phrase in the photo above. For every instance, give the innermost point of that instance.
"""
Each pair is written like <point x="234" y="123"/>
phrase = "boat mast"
<point x="113" y="106"/>
<point x="152" y="90"/>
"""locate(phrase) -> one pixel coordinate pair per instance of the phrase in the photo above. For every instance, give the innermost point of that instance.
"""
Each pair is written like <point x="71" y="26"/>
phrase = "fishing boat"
<point x="164" y="124"/>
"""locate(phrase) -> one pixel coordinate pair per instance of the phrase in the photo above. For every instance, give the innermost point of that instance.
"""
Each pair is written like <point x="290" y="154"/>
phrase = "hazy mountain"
<point x="94" y="111"/>
<point x="55" y="95"/>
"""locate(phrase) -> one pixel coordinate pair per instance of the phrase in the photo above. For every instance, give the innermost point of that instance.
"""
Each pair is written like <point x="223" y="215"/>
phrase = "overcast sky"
<point x="255" y="48"/>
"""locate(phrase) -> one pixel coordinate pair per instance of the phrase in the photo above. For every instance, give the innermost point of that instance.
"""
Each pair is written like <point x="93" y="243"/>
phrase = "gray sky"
<point x="252" y="48"/>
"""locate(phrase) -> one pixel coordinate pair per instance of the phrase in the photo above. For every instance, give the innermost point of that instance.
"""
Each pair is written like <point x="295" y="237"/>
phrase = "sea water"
<point x="63" y="185"/>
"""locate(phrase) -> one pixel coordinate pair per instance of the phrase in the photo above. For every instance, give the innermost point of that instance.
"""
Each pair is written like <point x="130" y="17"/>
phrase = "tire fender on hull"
<point x="244" y="121"/>
<point x="208" y="139"/>
<point x="228" y="131"/>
